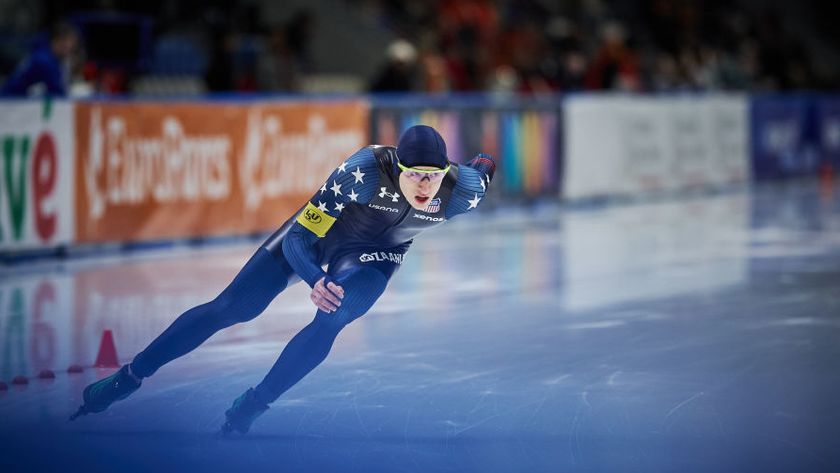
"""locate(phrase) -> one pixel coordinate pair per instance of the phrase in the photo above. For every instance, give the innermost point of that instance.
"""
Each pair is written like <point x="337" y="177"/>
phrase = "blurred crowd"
<point x="528" y="46"/>
<point x="525" y="46"/>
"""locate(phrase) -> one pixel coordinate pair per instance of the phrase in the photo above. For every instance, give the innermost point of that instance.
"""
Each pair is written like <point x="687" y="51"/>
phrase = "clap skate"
<point x="100" y="395"/>
<point x="246" y="408"/>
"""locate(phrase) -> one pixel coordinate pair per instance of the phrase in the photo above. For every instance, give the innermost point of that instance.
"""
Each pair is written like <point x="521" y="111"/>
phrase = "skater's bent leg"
<point x="256" y="285"/>
<point x="306" y="350"/>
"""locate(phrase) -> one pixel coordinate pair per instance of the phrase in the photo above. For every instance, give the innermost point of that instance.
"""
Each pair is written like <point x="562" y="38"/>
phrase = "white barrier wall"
<point x="620" y="145"/>
<point x="36" y="174"/>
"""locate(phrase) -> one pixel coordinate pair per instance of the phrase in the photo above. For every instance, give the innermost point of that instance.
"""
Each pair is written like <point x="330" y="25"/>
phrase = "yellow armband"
<point x="315" y="220"/>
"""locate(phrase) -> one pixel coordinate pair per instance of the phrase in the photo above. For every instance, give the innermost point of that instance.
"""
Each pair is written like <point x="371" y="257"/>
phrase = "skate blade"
<point x="226" y="429"/>
<point x="82" y="411"/>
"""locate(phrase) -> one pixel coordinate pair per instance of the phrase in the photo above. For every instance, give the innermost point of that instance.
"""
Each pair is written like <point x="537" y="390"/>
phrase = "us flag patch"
<point x="434" y="206"/>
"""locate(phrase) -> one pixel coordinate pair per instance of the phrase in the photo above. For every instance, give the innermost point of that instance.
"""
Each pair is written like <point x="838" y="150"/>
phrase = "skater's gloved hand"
<point x="483" y="163"/>
<point x="326" y="294"/>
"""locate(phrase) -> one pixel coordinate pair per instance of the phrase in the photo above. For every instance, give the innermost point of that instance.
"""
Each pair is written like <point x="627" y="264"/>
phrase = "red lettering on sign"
<point x="45" y="175"/>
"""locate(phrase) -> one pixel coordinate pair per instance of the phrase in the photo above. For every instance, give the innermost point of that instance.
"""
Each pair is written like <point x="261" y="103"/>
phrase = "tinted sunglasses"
<point x="418" y="175"/>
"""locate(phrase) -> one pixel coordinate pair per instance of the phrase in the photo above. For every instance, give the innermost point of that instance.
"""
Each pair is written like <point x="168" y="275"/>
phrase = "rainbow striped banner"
<point x="529" y="152"/>
<point x="524" y="141"/>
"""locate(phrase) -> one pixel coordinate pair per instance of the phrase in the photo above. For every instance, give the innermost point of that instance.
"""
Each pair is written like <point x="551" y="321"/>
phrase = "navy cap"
<point x="422" y="145"/>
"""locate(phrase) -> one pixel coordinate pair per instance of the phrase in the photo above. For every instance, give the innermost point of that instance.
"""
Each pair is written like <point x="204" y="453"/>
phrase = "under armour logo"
<point x="384" y="191"/>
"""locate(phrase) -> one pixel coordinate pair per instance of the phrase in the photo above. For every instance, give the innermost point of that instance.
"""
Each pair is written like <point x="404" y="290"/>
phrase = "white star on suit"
<point x="474" y="202"/>
<point x="322" y="206"/>
<point x="336" y="187"/>
<point x="353" y="195"/>
<point x="324" y="188"/>
<point x="339" y="206"/>
<point x="343" y="165"/>
<point x="358" y="174"/>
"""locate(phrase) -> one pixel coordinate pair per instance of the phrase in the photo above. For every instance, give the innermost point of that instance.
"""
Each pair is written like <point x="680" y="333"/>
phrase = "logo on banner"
<point x="384" y="191"/>
<point x="433" y="207"/>
<point x="278" y="160"/>
<point x="33" y="175"/>
<point x="125" y="168"/>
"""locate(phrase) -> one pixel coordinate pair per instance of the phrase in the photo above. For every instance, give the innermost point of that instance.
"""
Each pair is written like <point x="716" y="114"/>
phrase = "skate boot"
<point x="246" y="408"/>
<point x="100" y="395"/>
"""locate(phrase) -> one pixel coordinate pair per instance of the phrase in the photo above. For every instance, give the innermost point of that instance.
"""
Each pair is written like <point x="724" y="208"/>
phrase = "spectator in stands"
<point x="277" y="67"/>
<point x="528" y="57"/>
<point x="299" y="31"/>
<point x="399" y="73"/>
<point x="219" y="74"/>
<point x="46" y="64"/>
<point x="434" y="76"/>
<point x="615" y="65"/>
<point x="572" y="75"/>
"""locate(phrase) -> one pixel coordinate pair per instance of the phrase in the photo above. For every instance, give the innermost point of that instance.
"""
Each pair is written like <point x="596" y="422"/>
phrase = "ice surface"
<point x="696" y="334"/>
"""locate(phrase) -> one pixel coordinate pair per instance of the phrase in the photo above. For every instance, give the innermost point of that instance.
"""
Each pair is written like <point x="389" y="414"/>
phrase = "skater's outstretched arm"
<point x="473" y="180"/>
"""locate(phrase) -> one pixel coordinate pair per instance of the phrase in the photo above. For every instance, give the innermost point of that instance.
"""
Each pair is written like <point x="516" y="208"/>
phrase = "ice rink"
<point x="677" y="334"/>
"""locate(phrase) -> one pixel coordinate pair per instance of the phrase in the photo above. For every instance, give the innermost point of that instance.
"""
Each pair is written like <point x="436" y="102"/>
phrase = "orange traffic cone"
<point x="107" y="357"/>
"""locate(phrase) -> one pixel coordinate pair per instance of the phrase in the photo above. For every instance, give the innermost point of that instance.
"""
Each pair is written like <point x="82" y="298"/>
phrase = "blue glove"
<point x="484" y="164"/>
